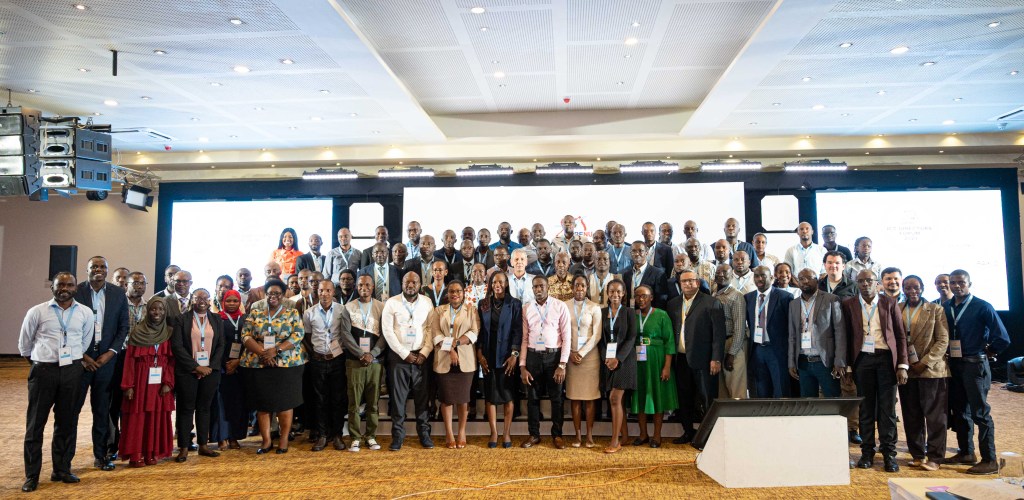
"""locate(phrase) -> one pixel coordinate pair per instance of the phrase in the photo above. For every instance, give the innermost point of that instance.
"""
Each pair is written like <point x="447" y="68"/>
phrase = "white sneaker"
<point x="373" y="444"/>
<point x="354" y="447"/>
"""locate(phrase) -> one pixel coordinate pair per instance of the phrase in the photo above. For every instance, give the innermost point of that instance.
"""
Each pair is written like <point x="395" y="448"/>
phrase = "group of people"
<point x="649" y="328"/>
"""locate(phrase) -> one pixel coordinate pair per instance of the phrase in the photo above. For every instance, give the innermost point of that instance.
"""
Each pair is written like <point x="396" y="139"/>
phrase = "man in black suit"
<point x="177" y="302"/>
<point x="658" y="253"/>
<point x="699" y="321"/>
<point x="110" y="306"/>
<point x="448" y="253"/>
<point x="463" y="270"/>
<point x="387" y="279"/>
<point x="169" y="273"/>
<point x="767" y="317"/>
<point x="642" y="273"/>
<point x="380" y="235"/>
<point x="423" y="262"/>
<point x="313" y="259"/>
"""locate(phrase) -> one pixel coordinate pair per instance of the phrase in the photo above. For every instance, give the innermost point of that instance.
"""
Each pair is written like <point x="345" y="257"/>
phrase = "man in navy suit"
<point x="768" y="320"/>
<point x="110" y="306"/>
<point x="643" y="273"/>
<point x="387" y="279"/>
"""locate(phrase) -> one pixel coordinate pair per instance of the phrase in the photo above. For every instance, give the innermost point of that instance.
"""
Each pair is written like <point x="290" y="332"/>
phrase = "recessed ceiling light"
<point x="807" y="137"/>
<point x="215" y="84"/>
<point x="919" y="168"/>
<point x="631" y="41"/>
<point x="478" y="10"/>
<point x="213" y="166"/>
<point x="627" y="56"/>
<point x="484" y="28"/>
<point x="204" y="139"/>
<point x="880" y="135"/>
<point x="258" y="108"/>
<point x="928" y="63"/>
<point x="912" y="120"/>
<point x="325" y="92"/>
<point x="499" y="74"/>
<point x="798" y="154"/>
<point x="502" y="85"/>
<point x="235" y="21"/>
<point x="776" y="104"/>
<point x="32" y="91"/>
<point x="958" y="99"/>
<point x="160" y="52"/>
<point x="315" y="118"/>
<point x="80" y="6"/>
<point x="620" y="83"/>
<point x="375" y="132"/>
<point x="902" y="49"/>
<point x="83" y="70"/>
<point x="846" y="45"/>
<point x="272" y="165"/>
<point x="941" y="151"/>
<point x="495" y="61"/>
<point x="880" y="92"/>
<point x="818" y="107"/>
<point x="954" y="133"/>
<point x="97" y="114"/>
<point x="145" y="98"/>
<point x="194" y="119"/>
<point x="753" y="123"/>
<point x="287" y="61"/>
<point x="668" y="157"/>
<point x="241" y="69"/>
<point x="233" y="136"/>
<point x="293" y="127"/>
<point x="993" y="24"/>
<point x="948" y="122"/>
<point x="353" y="115"/>
<point x="110" y="102"/>
<point x="200" y="150"/>
<point x="806" y="79"/>
<point x="844" y="114"/>
<point x="1014" y="73"/>
<point x="636" y="24"/>
<point x="867" y="152"/>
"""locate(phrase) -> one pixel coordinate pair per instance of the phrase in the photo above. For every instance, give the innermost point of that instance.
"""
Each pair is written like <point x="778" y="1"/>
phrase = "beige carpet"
<point x="473" y="472"/>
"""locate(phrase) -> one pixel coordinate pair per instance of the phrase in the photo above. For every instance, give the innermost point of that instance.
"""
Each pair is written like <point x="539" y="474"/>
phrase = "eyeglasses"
<point x="866" y="281"/>
<point x="183" y="281"/>
<point x="688" y="280"/>
<point x="274" y="294"/>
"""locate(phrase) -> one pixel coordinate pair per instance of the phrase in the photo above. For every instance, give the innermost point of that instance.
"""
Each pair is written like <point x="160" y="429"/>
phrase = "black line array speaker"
<point x="19" y="151"/>
<point x="63" y="258"/>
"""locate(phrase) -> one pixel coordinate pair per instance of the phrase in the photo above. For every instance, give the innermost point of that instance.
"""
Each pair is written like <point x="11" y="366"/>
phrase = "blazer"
<point x="776" y="322"/>
<point x="306" y="261"/>
<point x="827" y="330"/>
<point x="704" y="332"/>
<point x="366" y="257"/>
<point x="414" y="266"/>
<point x="653" y="277"/>
<point x="488" y="260"/>
<point x="456" y="259"/>
<point x="673" y="290"/>
<point x="256" y="294"/>
<point x="115" y="315"/>
<point x="509" y="335"/>
<point x="663" y="256"/>
<point x="181" y="342"/>
<point x="394" y="278"/>
<point x="892" y="329"/>
<point x="439" y="325"/>
<point x="929" y="334"/>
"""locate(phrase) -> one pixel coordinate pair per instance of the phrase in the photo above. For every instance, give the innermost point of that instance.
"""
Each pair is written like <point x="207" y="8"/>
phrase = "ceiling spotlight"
<point x="410" y="172"/>
<point x="146" y="98"/>
<point x="636" y="24"/>
<point x="948" y="122"/>
<point x="845" y="45"/>
<point x="620" y="83"/>
<point x="232" y="136"/>
<point x="499" y="74"/>
<point x="656" y="166"/>
<point x="258" y="108"/>
<point x="492" y="170"/>
<point x="1014" y="73"/>
<point x="631" y="41"/>
<point x="776" y="104"/>
<point x="880" y="92"/>
<point x="241" y="69"/>
<point x="80" y="6"/>
<point x="235" y="21"/>
<point x="502" y="85"/>
<point x="216" y="84"/>
<point x="204" y="139"/>
<point x="83" y="70"/>
<point x="287" y="61"/>
<point x="844" y="114"/>
<point x="323" y="174"/>
<point x="958" y="99"/>
<point x="136" y="197"/>
<point x="993" y="24"/>
<point x="110" y="102"/>
<point x="912" y="120"/>
<point x="627" y="56"/>
<point x="902" y="49"/>
<point x="495" y="61"/>
<point x="315" y="118"/>
<point x="728" y="165"/>
<point x="32" y="91"/>
<point x="325" y="92"/>
<point x="160" y="52"/>
<point x="818" y="107"/>
<point x="928" y="63"/>
<point x="195" y="119"/>
<point x="484" y="28"/>
<point x="353" y="115"/>
<point x="478" y="10"/>
<point x="814" y="165"/>
<point x="564" y="169"/>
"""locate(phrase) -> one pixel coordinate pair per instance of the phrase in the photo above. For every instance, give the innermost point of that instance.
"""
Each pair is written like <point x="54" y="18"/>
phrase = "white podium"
<point x="749" y="452"/>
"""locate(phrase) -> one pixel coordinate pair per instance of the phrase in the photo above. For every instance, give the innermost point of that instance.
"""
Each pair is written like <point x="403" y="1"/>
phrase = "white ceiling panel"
<point x="677" y="88"/>
<point x="604" y="21"/>
<point x="393" y="25"/>
<point x="846" y="6"/>
<point x="709" y="33"/>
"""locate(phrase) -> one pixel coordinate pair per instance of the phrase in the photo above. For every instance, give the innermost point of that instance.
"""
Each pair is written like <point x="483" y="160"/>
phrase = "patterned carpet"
<point x="473" y="472"/>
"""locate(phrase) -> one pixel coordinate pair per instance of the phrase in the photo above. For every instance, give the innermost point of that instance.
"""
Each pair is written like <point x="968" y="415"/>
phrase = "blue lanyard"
<point x="643" y="319"/>
<point x="438" y="296"/>
<point x="346" y="255"/>
<point x="806" y="309"/>
<point x="326" y="317"/>
<point x="909" y="315"/>
<point x="202" y="331"/>
<point x="611" y="323"/>
<point x="63" y="323"/>
<point x="365" y="313"/>
<point x="764" y="303"/>
<point x="544" y="271"/>
<point x="453" y="313"/>
<point x="543" y="315"/>
<point x="411" y="310"/>
<point x="519" y="289"/>
<point x="579" y="314"/>
<point x="863" y="306"/>
<point x="956" y="318"/>
<point x="617" y="255"/>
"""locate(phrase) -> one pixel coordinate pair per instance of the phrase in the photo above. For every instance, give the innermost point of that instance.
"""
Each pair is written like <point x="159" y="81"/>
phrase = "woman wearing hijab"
<point x="147" y="385"/>
<point x="272" y="363"/>
<point x="287" y="252"/>
<point x="501" y="331"/>
<point x="198" y="345"/>
<point x="229" y="416"/>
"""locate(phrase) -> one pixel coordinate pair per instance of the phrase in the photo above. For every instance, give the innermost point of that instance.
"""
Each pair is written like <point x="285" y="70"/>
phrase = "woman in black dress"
<point x="497" y="352"/>
<point x="617" y="339"/>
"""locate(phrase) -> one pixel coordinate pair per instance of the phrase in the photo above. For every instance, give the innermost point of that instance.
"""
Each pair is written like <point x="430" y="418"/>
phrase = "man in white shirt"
<point x="690" y="231"/>
<point x="53" y="338"/>
<point x="561" y="242"/>
<point x="413" y="245"/>
<point x="743" y="279"/>
<point x="402" y="324"/>
<point x="760" y="242"/>
<point x="520" y="283"/>
<point x="806" y="254"/>
<point x="324" y="324"/>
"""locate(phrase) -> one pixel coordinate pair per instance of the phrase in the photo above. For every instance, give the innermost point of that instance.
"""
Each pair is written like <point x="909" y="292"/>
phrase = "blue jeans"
<point x="815" y="375"/>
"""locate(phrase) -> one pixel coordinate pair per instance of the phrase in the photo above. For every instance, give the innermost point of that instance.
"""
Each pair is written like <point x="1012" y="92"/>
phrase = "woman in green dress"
<point x="655" y="381"/>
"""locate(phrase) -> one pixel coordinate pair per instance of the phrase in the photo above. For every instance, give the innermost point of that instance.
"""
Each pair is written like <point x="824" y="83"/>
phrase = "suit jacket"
<point x="673" y="290"/>
<point x="704" y="332"/>
<point x="776" y="322"/>
<point x="256" y="294"/>
<point x="929" y="334"/>
<point x="459" y="272"/>
<point x="828" y="332"/>
<point x="394" y="278"/>
<point x="488" y="259"/>
<point x="547" y="271"/>
<point x="439" y="325"/>
<point x="509" y="335"/>
<point x="414" y="266"/>
<point x="663" y="257"/>
<point x="366" y="257"/>
<point x="892" y="328"/>
<point x="455" y="259"/>
<point x="181" y="342"/>
<point x="115" y="315"/>
<point x="578" y="268"/>
<point x="306" y="261"/>
<point x="845" y="288"/>
<point x="653" y="277"/>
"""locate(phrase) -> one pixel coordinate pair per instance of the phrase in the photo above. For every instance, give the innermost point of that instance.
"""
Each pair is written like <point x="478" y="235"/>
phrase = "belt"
<point x="763" y="344"/>
<point x="810" y="359"/>
<point x="976" y="357"/>
<point x="878" y="352"/>
<point x="650" y="341"/>
<point x="544" y="351"/>
<point x="321" y="357"/>
<point x="45" y="363"/>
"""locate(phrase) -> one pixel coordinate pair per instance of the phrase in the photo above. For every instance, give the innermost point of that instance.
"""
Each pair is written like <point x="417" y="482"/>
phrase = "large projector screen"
<point x="709" y="204"/>
<point x="927" y="233"/>
<point x="211" y="238"/>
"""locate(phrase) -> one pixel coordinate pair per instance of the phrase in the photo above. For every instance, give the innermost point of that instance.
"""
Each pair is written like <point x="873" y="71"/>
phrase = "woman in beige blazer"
<point x="454" y="329"/>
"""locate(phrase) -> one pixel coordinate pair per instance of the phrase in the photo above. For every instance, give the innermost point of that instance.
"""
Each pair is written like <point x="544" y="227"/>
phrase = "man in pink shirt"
<point x="545" y="351"/>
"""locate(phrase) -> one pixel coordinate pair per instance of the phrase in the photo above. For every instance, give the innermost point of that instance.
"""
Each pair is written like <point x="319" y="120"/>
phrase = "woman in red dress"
<point x="148" y="384"/>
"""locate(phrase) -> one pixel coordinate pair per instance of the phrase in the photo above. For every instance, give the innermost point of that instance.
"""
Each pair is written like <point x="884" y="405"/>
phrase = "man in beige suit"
<point x="925" y="396"/>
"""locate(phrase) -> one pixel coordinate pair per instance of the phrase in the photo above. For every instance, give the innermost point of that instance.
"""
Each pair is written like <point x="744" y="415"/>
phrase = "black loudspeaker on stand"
<point x="63" y="258"/>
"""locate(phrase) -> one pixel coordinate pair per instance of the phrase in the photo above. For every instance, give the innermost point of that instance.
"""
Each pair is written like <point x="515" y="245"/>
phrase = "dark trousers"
<point x="876" y="383"/>
<point x="97" y="385"/>
<point x="815" y="375"/>
<point x="767" y="373"/>
<point x="542" y="366"/>
<point x="193" y="398"/>
<point x="56" y="387"/>
<point x="330" y="395"/>
<point x="925" y="405"/>
<point x="696" y="388"/>
<point x="968" y="402"/>
<point x="116" y="396"/>
<point x="403" y="379"/>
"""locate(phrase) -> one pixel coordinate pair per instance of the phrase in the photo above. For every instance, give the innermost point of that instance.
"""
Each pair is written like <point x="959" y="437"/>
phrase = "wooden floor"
<point x="473" y="472"/>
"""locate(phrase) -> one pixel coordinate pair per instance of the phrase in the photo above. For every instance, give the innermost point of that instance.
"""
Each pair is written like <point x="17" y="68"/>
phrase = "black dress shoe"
<point x="104" y="465"/>
<point x="865" y="462"/>
<point x="891" y="465"/>
<point x="426" y="442"/>
<point x="685" y="438"/>
<point x="68" y="477"/>
<point x="282" y="451"/>
<point x="30" y="485"/>
<point x="855" y="438"/>
<point x="261" y="451"/>
<point x="192" y="447"/>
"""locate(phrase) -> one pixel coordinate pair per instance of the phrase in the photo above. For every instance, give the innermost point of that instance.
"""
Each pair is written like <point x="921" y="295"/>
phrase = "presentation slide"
<point x="211" y="238"/>
<point x="709" y="204"/>
<point x="925" y="233"/>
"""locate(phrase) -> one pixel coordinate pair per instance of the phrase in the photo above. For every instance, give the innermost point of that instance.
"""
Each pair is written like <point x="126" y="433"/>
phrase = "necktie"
<point x="183" y="303"/>
<point x="762" y="314"/>
<point x="378" y="291"/>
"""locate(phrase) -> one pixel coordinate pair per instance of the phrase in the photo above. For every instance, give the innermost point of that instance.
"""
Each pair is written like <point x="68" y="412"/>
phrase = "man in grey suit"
<point x="817" y="339"/>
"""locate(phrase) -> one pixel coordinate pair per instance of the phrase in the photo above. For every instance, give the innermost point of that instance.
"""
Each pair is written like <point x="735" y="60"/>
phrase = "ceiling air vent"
<point x="141" y="136"/>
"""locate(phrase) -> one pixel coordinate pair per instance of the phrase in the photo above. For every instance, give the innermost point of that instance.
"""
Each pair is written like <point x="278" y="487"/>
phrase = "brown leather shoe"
<point x="531" y="442"/>
<point x="559" y="444"/>
<point x="320" y="444"/>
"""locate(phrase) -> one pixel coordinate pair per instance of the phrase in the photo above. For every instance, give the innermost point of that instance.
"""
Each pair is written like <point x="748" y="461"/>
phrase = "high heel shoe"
<point x="506" y="444"/>
<point x="282" y="451"/>
<point x="261" y="451"/>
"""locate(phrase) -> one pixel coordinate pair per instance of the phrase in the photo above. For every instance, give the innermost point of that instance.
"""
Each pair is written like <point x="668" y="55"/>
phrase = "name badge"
<point x="540" y="345"/>
<point x="955" y="351"/>
<point x="98" y="336"/>
<point x="868" y="345"/>
<point x="236" y="350"/>
<point x="610" y="350"/>
<point x="64" y="358"/>
<point x="912" y="354"/>
<point x="410" y="337"/>
<point x="269" y="341"/>
<point x="364" y="344"/>
<point x="758" y="335"/>
<point x="335" y="348"/>
<point x="203" y="358"/>
<point x="805" y="340"/>
<point x="580" y="342"/>
<point x="446" y="344"/>
<point x="641" y="353"/>
<point x="156" y="373"/>
<point x="632" y="303"/>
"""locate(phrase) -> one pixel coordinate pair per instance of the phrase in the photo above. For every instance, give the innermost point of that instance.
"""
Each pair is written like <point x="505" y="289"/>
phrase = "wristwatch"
<point x="561" y="366"/>
<point x="515" y="354"/>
